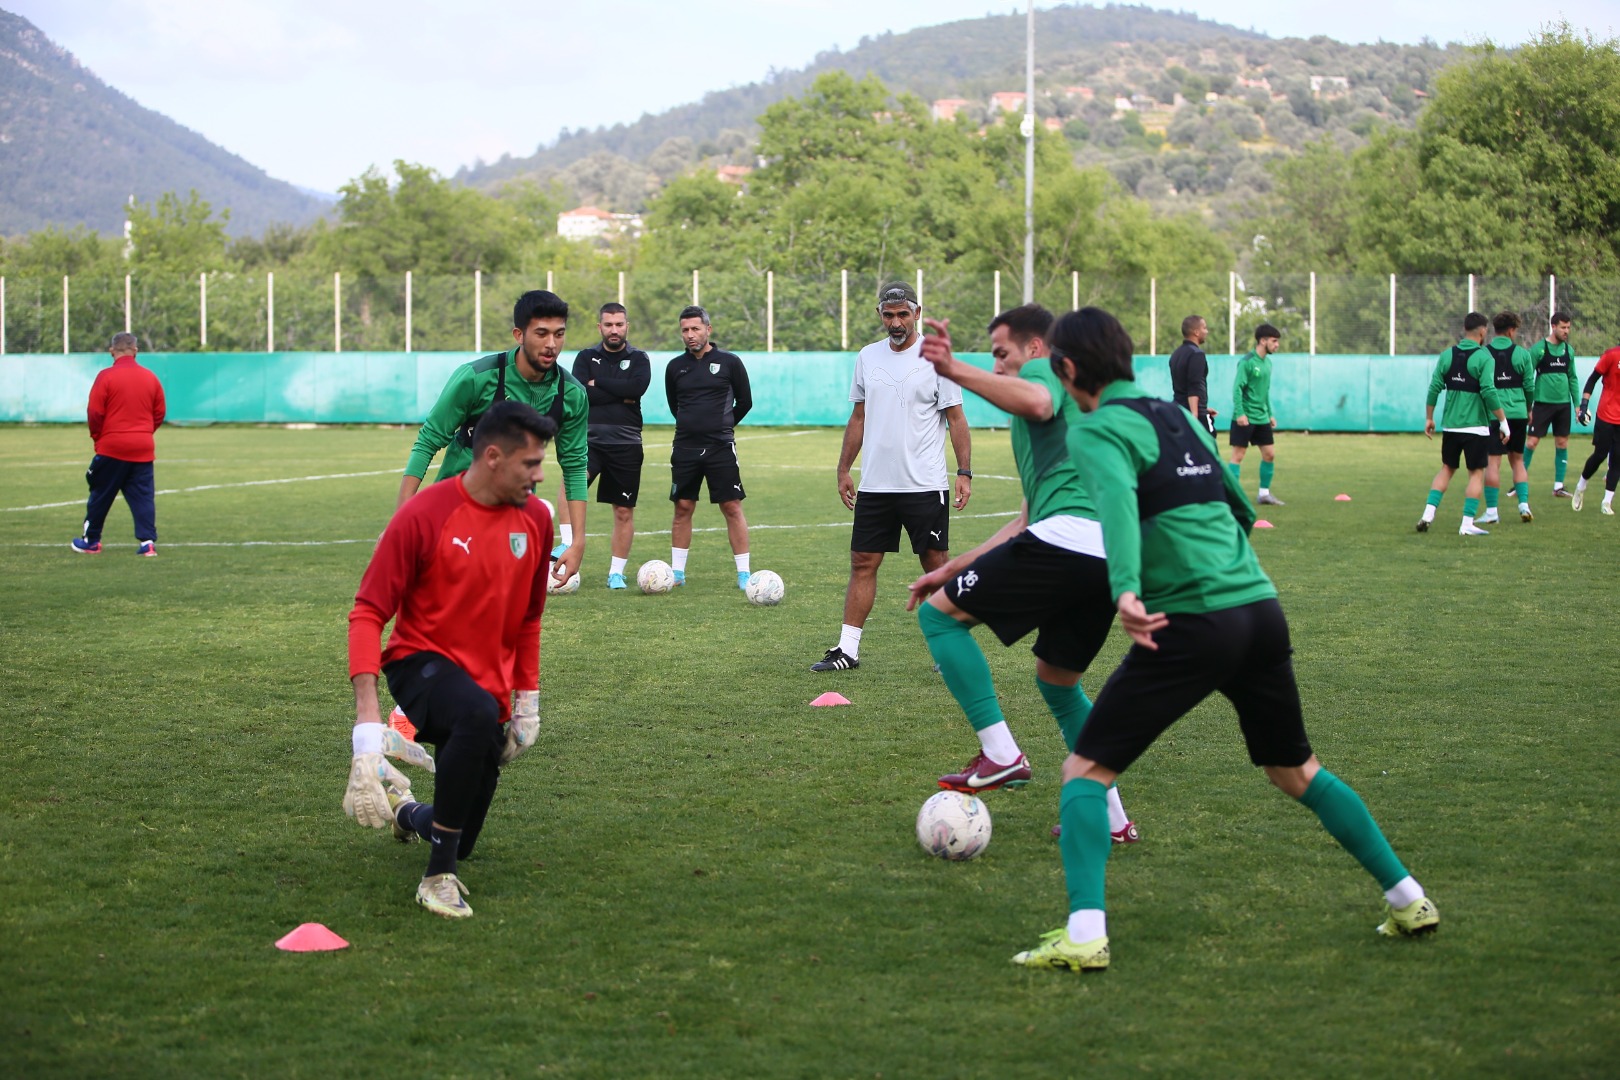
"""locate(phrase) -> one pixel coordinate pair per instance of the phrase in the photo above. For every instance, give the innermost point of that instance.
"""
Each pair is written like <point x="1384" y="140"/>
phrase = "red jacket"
<point x="126" y="406"/>
<point x="1608" y="366"/>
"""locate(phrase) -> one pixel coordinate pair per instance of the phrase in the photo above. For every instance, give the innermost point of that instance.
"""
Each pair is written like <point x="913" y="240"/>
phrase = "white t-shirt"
<point x="904" y="444"/>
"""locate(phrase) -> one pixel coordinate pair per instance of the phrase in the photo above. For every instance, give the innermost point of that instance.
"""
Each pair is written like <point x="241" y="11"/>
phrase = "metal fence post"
<point x="919" y="286"/>
<point x="1313" y="312"/>
<point x="843" y="310"/>
<point x="621" y="288"/>
<point x="64" y="314"/>
<point x="1231" y="313"/>
<point x="1074" y="292"/>
<point x="2" y="315"/>
<point x="270" y="311"/>
<point x="128" y="317"/>
<point x="996" y="299"/>
<point x="1470" y="293"/>
<point x="1153" y="316"/>
<point x="695" y="300"/>
<point x="408" y="311"/>
<point x="202" y="310"/>
<point x="1392" y="314"/>
<point x="478" y="308"/>
<point x="1552" y="304"/>
<point x="770" y="311"/>
<point x="337" y="311"/>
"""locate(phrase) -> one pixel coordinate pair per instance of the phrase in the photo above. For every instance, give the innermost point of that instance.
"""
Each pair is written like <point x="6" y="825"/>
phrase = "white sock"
<point x="849" y="640"/>
<point x="1467" y="521"/>
<point x="1264" y="492"/>
<point x="1608" y="497"/>
<point x="565" y="535"/>
<point x="742" y="562"/>
<point x="1087" y="924"/>
<point x="616" y="565"/>
<point x="1558" y="485"/>
<point x="1404" y="892"/>
<point x="677" y="558"/>
<point x="1524" y="508"/>
<point x="1116" y="810"/>
<point x="1580" y="485"/>
<point x="998" y="743"/>
<point x="1428" y="511"/>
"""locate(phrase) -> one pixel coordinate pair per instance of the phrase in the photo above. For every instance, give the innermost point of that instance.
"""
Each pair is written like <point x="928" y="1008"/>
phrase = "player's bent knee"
<point x="479" y="719"/>
<point x="1076" y="767"/>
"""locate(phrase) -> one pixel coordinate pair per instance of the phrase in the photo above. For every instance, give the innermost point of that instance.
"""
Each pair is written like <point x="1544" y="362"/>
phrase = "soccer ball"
<point x="764" y="588"/>
<point x="953" y="825"/>
<point x="655" y="577"/>
<point x="571" y="585"/>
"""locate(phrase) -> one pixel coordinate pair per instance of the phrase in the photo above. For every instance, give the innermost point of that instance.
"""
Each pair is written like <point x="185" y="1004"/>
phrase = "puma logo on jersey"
<point x="464" y="545"/>
<point x="934" y="533"/>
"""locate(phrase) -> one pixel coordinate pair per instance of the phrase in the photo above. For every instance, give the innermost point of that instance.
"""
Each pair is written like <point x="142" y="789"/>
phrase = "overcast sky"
<point x="314" y="91"/>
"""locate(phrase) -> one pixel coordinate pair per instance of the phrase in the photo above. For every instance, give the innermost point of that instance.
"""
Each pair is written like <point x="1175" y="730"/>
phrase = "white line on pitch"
<point x="216" y="487"/>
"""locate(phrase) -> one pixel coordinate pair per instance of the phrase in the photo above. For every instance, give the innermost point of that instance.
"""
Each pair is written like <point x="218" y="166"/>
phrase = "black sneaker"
<point x="1423" y="525"/>
<point x="835" y="660"/>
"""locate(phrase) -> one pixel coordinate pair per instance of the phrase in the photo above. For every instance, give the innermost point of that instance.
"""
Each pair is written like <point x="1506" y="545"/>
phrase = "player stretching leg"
<point x="461" y="569"/>
<point x="1145" y="461"/>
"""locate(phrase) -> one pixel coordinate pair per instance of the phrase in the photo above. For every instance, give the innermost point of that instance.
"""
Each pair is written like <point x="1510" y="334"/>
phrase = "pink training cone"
<point x="311" y="937"/>
<point x="831" y="697"/>
<point x="1341" y="498"/>
<point x="1264" y="524"/>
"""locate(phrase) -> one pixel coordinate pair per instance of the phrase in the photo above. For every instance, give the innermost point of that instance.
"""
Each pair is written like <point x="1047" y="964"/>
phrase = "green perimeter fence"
<point x="289" y="311"/>
<point x="1320" y="393"/>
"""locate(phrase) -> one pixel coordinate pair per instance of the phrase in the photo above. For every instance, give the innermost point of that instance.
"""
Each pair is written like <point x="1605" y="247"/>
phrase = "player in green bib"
<point x="1203" y="618"/>
<point x="1043" y="571"/>
<point x="1464" y="374"/>
<point x="1252" y="421"/>
<point x="1556" y="398"/>
<point x="528" y="372"/>
<point x="1515" y="379"/>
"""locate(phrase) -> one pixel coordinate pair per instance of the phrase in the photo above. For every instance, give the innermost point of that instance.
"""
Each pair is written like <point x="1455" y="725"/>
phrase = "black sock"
<point x="418" y="817"/>
<point x="442" y="845"/>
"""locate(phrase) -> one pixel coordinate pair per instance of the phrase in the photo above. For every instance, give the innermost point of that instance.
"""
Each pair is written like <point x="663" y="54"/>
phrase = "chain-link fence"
<point x="756" y="310"/>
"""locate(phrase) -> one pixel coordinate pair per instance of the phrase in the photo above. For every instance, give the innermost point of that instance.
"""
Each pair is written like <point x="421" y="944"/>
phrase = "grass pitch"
<point x="695" y="874"/>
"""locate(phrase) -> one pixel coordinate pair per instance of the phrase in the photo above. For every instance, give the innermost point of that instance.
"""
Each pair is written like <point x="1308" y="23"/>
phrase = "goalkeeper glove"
<point x="370" y="771"/>
<point x="524" y="726"/>
<point x="1583" y="414"/>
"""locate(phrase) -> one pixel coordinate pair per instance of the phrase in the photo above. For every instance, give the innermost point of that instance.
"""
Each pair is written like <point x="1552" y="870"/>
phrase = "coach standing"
<point x="1189" y="372"/>
<point x="126" y="407"/>
<point x="615" y="375"/>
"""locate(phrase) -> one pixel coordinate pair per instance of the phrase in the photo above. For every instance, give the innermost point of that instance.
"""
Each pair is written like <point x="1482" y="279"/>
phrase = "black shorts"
<point x="1556" y="414"/>
<point x="1457" y="447"/>
<point x="1603" y="435"/>
<point x="879" y="515"/>
<point x="1027" y="584"/>
<point x="1515" y="443"/>
<point x="619" y="466"/>
<point x="1252" y="435"/>
<point x="1242" y="652"/>
<point x="689" y="466"/>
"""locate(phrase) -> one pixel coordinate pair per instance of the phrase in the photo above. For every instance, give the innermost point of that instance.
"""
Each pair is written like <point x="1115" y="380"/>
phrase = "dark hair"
<point x="692" y="311"/>
<point x="1023" y="323"/>
<point x="508" y="424"/>
<point x="538" y="304"/>
<point x="1265" y="330"/>
<point x="610" y="308"/>
<point x="1505" y="321"/>
<point x="1189" y="324"/>
<point x="1096" y="347"/>
<point x="1474" y="321"/>
<point x="1560" y="316"/>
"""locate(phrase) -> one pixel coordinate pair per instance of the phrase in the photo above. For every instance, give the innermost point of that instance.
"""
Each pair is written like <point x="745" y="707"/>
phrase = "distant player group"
<point x="1127" y="511"/>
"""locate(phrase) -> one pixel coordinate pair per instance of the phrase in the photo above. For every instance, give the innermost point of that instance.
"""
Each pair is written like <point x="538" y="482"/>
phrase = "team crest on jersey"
<point x="520" y="544"/>
<point x="714" y="369"/>
<point x="624" y="365"/>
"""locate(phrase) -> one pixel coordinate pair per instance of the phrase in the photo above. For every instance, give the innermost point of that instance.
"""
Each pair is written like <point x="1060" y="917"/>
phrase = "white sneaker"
<point x="1524" y="513"/>
<point x="1488" y="518"/>
<point x="443" y="894"/>
<point x="1577" y="500"/>
<point x="1607" y="509"/>
<point x="1472" y="530"/>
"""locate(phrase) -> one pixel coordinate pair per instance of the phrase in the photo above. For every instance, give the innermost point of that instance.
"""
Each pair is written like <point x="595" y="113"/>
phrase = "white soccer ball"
<point x="764" y="588"/>
<point x="655" y="577"/>
<point x="953" y="825"/>
<point x="571" y="585"/>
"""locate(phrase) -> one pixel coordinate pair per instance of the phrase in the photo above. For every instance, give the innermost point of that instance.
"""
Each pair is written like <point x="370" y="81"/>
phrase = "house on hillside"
<point x="594" y="223"/>
<point x="1007" y="101"/>
<point x="1123" y="105"/>
<point x="734" y="174"/>
<point x="1332" y="85"/>
<point x="945" y="108"/>
<point x="1084" y="93"/>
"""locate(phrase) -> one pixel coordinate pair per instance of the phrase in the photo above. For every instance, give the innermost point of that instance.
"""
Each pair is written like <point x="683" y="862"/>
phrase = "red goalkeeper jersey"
<point x="1608" y="406"/>
<point x="465" y="580"/>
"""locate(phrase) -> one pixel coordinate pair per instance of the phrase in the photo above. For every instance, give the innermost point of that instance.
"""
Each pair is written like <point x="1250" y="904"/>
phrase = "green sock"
<point x="1085" y="843"/>
<point x="1492" y="495"/>
<point x="1560" y="464"/>
<point x="1522" y="490"/>
<point x="1268" y="469"/>
<point x="1529" y="455"/>
<point x="1345" y="816"/>
<point x="1435" y="495"/>
<point x="1236" y="469"/>
<point x="962" y="662"/>
<point x="1069" y="705"/>
<point x="1470" y="508"/>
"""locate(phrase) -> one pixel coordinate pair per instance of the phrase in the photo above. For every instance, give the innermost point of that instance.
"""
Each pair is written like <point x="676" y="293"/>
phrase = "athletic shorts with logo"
<point x="1457" y="447"/>
<point x="690" y="466"/>
<point x="1553" y="414"/>
<point x="1027" y="584"/>
<point x="1515" y="443"/>
<point x="1252" y="435"/>
<point x="619" y="467"/>
<point x="1242" y="652"/>
<point x="880" y="515"/>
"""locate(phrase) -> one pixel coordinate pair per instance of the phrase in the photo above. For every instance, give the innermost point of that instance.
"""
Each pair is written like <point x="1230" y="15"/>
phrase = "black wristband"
<point x="965" y="472"/>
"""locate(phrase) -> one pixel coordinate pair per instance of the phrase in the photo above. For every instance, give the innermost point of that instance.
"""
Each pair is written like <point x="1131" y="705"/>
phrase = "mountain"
<point x="932" y="62"/>
<point x="73" y="149"/>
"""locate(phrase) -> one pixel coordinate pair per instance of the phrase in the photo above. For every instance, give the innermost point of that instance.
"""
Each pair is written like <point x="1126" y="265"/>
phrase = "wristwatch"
<point x="965" y="472"/>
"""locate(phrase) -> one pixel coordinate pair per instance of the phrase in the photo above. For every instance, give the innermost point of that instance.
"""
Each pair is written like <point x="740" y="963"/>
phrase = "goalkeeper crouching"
<point x="461" y="569"/>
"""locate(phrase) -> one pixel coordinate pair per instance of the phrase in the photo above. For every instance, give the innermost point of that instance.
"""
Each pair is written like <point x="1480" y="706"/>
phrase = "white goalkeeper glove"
<point x="524" y="727"/>
<point x="370" y="771"/>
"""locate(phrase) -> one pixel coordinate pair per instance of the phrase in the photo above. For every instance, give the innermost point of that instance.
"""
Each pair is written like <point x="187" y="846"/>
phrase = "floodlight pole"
<point x="1028" y="132"/>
